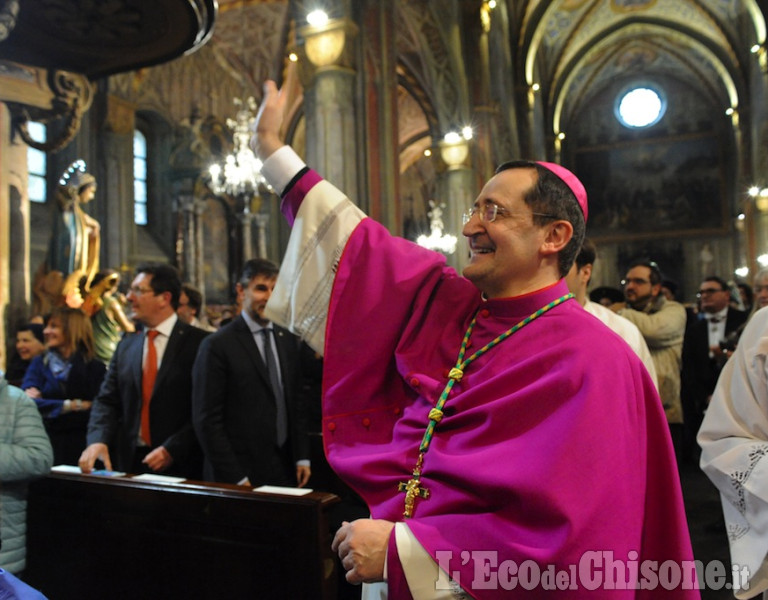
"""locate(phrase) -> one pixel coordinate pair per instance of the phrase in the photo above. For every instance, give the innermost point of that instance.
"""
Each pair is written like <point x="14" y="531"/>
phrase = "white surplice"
<point x="734" y="442"/>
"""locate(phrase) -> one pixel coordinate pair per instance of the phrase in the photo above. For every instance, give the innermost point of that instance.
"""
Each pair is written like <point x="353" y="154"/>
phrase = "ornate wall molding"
<point x="435" y="58"/>
<point x="72" y="97"/>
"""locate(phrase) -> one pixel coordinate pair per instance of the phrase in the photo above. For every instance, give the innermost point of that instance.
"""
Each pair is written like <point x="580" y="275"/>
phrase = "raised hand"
<point x="266" y="127"/>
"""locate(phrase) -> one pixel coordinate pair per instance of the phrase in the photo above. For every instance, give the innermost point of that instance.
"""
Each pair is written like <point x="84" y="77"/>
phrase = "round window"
<point x="640" y="106"/>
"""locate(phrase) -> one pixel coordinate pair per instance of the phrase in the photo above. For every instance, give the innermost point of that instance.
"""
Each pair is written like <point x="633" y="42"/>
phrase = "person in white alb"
<point x="734" y="447"/>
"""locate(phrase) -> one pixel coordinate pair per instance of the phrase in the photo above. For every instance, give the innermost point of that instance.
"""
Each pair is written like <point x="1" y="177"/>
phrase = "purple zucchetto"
<point x="571" y="181"/>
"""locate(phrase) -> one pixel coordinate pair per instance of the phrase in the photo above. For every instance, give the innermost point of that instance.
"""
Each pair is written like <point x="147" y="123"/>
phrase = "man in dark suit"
<point x="140" y="425"/>
<point x="710" y="338"/>
<point x="246" y="406"/>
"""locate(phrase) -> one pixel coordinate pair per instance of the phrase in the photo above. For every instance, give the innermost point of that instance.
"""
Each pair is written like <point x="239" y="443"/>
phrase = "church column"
<point x="197" y="277"/>
<point x="262" y="219"/>
<point x="486" y="114"/>
<point x="192" y="243"/>
<point x="5" y="188"/>
<point x="329" y="91"/>
<point x="246" y="231"/>
<point x="183" y="239"/>
<point x="455" y="186"/>
<point x="114" y="197"/>
<point x="378" y="118"/>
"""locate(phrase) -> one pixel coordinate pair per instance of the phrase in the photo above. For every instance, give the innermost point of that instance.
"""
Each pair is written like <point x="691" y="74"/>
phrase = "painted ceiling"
<point x="570" y="48"/>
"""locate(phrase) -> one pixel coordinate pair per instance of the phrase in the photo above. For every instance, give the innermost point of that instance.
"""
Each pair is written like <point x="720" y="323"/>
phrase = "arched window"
<point x="139" y="178"/>
<point x="37" y="164"/>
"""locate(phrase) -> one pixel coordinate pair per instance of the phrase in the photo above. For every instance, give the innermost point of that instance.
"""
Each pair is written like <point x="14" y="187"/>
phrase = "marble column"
<point x="5" y="257"/>
<point x="262" y="219"/>
<point x="455" y="190"/>
<point x="246" y="232"/>
<point x="191" y="246"/>
<point x="328" y="77"/>
<point x="197" y="278"/>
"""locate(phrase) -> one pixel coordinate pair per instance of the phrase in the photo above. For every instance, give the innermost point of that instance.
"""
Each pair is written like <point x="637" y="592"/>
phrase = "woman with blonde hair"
<point x="64" y="380"/>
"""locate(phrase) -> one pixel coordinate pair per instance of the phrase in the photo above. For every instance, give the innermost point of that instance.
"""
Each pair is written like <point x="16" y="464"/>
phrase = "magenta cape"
<point x="553" y="444"/>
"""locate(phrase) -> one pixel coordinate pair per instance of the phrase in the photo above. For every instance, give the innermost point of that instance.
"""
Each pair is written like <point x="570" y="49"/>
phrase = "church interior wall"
<point x="455" y="70"/>
<point x="666" y="192"/>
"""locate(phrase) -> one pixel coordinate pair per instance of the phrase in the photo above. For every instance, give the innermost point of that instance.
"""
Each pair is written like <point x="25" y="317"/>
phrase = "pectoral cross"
<point x="413" y="490"/>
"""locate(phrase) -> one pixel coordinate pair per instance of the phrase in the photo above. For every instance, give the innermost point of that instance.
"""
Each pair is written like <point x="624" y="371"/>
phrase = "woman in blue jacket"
<point x="64" y="380"/>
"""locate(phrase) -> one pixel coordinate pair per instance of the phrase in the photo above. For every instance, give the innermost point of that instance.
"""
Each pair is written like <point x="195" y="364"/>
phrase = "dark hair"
<point x="654" y="268"/>
<point x="103" y="274"/>
<point x="165" y="278"/>
<point x="670" y="285"/>
<point x="552" y="196"/>
<point x="194" y="297"/>
<point x="35" y="329"/>
<point x="721" y="282"/>
<point x="612" y="294"/>
<point x="747" y="289"/>
<point x="587" y="254"/>
<point x="258" y="266"/>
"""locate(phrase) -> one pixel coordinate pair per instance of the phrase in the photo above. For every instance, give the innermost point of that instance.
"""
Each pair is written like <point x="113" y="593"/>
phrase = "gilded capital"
<point x="326" y="46"/>
<point x="454" y="153"/>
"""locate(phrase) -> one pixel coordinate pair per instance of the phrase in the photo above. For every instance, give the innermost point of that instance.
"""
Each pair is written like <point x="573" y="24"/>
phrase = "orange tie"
<point x="148" y="383"/>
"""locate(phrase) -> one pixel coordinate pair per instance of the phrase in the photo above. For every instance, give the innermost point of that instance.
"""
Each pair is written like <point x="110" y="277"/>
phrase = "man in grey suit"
<point x="246" y="395"/>
<point x="136" y="425"/>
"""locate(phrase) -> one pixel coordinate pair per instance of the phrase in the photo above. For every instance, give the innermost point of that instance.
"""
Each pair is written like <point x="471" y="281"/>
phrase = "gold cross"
<point x="413" y="490"/>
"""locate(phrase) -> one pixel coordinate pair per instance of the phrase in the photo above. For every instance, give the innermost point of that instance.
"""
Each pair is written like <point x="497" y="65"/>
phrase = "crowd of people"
<point x="467" y="412"/>
<point x="157" y="403"/>
<point x="230" y="404"/>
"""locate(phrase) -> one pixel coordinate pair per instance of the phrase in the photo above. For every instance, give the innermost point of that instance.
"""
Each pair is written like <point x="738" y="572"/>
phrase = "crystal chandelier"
<point x="240" y="175"/>
<point x="437" y="240"/>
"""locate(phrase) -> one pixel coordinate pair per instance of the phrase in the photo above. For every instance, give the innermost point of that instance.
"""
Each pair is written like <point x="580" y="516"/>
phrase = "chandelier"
<point x="437" y="240"/>
<point x="240" y="174"/>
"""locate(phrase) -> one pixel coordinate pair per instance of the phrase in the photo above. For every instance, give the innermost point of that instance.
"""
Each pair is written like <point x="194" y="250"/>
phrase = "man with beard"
<point x="246" y="392"/>
<point x="662" y="323"/>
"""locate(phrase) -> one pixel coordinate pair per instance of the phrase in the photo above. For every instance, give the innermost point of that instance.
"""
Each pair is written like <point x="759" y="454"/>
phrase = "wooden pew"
<point x="110" y="538"/>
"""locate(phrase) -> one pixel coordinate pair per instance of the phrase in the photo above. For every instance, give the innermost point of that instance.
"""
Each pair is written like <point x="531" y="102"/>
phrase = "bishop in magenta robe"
<point x="550" y="469"/>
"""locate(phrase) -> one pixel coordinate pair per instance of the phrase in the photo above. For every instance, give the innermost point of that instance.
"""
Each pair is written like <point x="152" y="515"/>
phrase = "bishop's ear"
<point x="559" y="233"/>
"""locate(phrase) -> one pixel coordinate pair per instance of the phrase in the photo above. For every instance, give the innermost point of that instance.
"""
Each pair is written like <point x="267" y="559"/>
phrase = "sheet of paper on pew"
<point x="76" y="470"/>
<point x="158" y="478"/>
<point x="288" y="491"/>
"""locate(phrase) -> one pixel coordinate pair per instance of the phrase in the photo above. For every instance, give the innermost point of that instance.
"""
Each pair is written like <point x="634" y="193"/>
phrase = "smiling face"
<point x="55" y="339"/>
<point x="506" y="254"/>
<point x="27" y="345"/>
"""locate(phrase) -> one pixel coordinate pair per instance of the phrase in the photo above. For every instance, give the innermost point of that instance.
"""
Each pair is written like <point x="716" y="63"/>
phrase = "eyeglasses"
<point x="488" y="213"/>
<point x="708" y="292"/>
<point x="635" y="280"/>
<point x="138" y="291"/>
